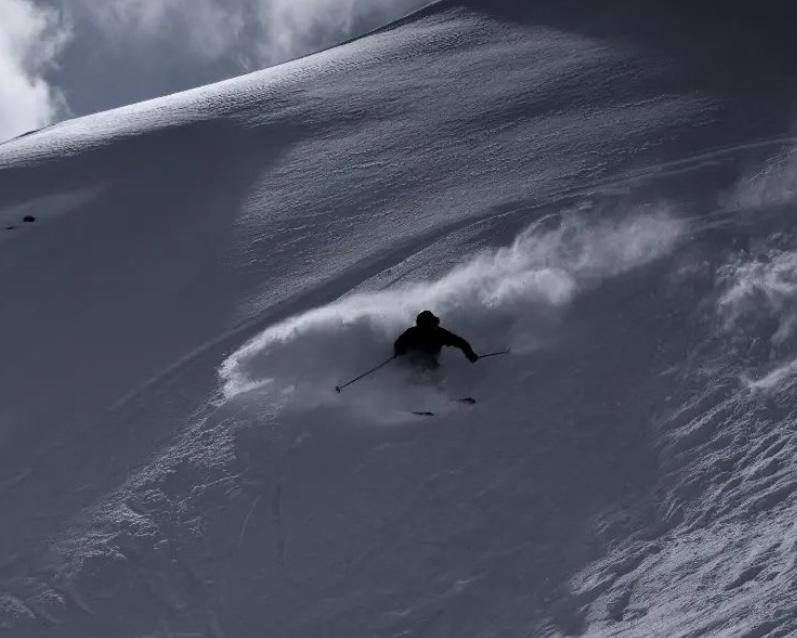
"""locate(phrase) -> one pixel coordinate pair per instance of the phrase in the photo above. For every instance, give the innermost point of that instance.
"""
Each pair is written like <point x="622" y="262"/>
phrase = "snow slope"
<point x="608" y="191"/>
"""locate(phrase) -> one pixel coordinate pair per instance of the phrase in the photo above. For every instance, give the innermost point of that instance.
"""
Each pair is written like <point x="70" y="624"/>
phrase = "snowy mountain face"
<point x="608" y="191"/>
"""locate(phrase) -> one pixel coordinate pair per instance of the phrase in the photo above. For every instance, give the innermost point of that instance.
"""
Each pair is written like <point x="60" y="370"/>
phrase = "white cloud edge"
<point x="31" y="38"/>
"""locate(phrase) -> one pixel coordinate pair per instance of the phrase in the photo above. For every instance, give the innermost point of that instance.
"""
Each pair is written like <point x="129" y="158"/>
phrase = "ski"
<point x="464" y="400"/>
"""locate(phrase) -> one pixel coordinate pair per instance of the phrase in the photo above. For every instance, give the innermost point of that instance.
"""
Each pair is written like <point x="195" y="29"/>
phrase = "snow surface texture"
<point x="203" y="269"/>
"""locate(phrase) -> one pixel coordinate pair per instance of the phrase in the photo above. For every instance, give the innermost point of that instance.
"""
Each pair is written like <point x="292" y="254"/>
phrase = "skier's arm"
<point x="455" y="341"/>
<point x="400" y="347"/>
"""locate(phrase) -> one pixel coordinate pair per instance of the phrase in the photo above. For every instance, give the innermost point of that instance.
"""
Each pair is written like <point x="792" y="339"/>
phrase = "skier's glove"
<point x="472" y="357"/>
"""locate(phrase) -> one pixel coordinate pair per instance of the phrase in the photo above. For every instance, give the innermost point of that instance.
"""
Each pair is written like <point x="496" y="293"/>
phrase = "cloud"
<point x="254" y="33"/>
<point x="203" y="29"/>
<point x="293" y="28"/>
<point x="31" y="37"/>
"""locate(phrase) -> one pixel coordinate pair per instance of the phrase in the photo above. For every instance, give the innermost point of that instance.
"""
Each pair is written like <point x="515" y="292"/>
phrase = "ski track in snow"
<point x="204" y="268"/>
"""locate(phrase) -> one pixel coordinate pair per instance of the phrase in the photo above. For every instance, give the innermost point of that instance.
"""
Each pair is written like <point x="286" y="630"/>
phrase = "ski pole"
<point x="494" y="354"/>
<point x="364" y="374"/>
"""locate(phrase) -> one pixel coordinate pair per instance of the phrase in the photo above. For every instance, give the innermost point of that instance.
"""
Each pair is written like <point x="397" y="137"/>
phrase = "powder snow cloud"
<point x="506" y="296"/>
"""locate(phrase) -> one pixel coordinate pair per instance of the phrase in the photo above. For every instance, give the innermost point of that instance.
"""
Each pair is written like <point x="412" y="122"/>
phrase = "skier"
<point x="422" y="343"/>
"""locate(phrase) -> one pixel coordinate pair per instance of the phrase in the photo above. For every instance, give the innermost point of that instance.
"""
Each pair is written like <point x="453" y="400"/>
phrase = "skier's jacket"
<point x="425" y="342"/>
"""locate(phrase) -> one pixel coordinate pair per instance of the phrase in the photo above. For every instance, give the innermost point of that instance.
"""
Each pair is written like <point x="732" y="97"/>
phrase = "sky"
<point x="65" y="58"/>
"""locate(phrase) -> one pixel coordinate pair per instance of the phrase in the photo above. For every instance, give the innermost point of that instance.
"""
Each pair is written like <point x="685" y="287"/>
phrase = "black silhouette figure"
<point x="422" y="343"/>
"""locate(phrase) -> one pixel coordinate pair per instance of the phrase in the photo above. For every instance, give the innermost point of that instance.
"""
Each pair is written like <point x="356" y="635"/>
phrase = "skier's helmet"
<point x="427" y="320"/>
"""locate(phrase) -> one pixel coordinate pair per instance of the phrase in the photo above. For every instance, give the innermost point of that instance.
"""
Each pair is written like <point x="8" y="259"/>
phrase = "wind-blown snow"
<point x="764" y="287"/>
<point x="610" y="201"/>
<point x="773" y="184"/>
